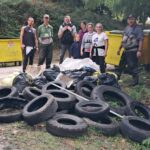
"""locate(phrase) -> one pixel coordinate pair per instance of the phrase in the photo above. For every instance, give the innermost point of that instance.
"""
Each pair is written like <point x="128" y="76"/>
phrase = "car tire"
<point x="49" y="86"/>
<point x="99" y="94"/>
<point x="40" y="109"/>
<point x="8" y="92"/>
<point x="135" y="128"/>
<point x="105" y="125"/>
<point x="65" y="100"/>
<point x="138" y="106"/>
<point x="30" y="93"/>
<point x="84" y="88"/>
<point x="92" y="109"/>
<point x="14" y="103"/>
<point x="65" y="125"/>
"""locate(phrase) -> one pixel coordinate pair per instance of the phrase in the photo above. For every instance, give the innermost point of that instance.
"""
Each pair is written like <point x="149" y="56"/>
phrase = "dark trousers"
<point x="63" y="49"/>
<point x="129" y="62"/>
<point x="86" y="55"/>
<point x="100" y="60"/>
<point x="27" y="58"/>
<point x="46" y="52"/>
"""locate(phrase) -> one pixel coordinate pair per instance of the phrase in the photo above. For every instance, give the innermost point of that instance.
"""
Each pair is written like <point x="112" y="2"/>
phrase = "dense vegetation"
<point x="111" y="13"/>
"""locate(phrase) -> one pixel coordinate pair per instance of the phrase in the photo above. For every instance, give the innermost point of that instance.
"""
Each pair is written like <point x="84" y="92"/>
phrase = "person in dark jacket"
<point x="75" y="47"/>
<point x="29" y="43"/>
<point x="132" y="42"/>
<point x="66" y="35"/>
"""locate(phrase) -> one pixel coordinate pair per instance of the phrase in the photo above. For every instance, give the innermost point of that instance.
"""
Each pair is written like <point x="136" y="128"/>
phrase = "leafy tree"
<point x="122" y="8"/>
<point x="11" y="19"/>
<point x="139" y="8"/>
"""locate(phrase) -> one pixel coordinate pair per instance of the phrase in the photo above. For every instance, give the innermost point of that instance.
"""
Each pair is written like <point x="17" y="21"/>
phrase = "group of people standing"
<point x="40" y="40"/>
<point x="83" y="44"/>
<point x="89" y="42"/>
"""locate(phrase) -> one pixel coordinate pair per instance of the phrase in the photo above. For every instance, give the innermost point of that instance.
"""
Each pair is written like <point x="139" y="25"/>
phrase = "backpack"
<point x="130" y="43"/>
<point x="67" y="37"/>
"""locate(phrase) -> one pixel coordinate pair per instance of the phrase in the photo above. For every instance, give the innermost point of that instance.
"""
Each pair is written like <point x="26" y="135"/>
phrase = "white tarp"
<point x="72" y="64"/>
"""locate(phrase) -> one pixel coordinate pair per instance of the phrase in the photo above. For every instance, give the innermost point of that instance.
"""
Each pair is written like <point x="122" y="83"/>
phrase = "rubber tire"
<point x="62" y="112"/>
<point x="8" y="92"/>
<point x="107" y="127"/>
<point x="97" y="94"/>
<point x="81" y="86"/>
<point x="49" y="86"/>
<point x="141" y="107"/>
<point x="11" y="102"/>
<point x="133" y="132"/>
<point x="64" y="103"/>
<point x="54" y="127"/>
<point x="95" y="113"/>
<point x="41" y="114"/>
<point x="29" y="93"/>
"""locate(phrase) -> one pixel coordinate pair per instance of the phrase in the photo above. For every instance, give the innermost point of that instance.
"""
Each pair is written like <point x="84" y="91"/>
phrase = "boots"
<point x="135" y="81"/>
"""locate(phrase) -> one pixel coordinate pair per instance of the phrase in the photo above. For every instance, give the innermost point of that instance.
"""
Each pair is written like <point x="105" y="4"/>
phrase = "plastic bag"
<point x="21" y="81"/>
<point x="108" y="79"/>
<point x="51" y="74"/>
<point x="39" y="82"/>
<point x="77" y="64"/>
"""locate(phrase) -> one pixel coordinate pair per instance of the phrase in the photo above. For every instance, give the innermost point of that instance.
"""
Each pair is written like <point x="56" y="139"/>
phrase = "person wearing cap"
<point x="132" y="42"/>
<point x="45" y="36"/>
<point x="66" y="35"/>
<point x="29" y="43"/>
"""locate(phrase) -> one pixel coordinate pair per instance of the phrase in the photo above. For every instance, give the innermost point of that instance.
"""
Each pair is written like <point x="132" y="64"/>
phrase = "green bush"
<point x="14" y="14"/>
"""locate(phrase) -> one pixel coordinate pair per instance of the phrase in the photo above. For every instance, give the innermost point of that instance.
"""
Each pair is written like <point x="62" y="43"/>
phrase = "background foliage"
<point x="111" y="13"/>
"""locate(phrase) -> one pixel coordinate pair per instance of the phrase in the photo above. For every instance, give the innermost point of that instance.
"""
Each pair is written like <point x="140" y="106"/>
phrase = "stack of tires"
<point x="68" y="115"/>
<point x="135" y="124"/>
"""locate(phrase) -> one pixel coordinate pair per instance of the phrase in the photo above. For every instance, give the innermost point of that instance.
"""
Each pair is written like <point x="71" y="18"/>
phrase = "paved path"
<point x="4" y="72"/>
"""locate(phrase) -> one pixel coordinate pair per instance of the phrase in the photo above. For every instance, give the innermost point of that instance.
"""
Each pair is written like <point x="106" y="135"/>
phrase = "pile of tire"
<point x="67" y="115"/>
<point x="135" y="124"/>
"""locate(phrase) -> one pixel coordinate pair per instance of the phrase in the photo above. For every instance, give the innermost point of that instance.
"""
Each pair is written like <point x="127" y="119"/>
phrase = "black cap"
<point x="131" y="16"/>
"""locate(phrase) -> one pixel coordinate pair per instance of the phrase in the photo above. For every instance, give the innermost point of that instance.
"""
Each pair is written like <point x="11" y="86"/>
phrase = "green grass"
<point x="113" y="102"/>
<point x="140" y="92"/>
<point x="23" y="137"/>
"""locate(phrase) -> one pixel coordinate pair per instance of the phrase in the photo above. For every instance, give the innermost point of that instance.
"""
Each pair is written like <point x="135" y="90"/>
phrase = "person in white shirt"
<point x="87" y="41"/>
<point x="99" y="47"/>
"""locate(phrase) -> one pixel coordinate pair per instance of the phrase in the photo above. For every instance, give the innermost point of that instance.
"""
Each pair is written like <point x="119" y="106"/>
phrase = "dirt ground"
<point x="9" y="68"/>
<point x="20" y="136"/>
